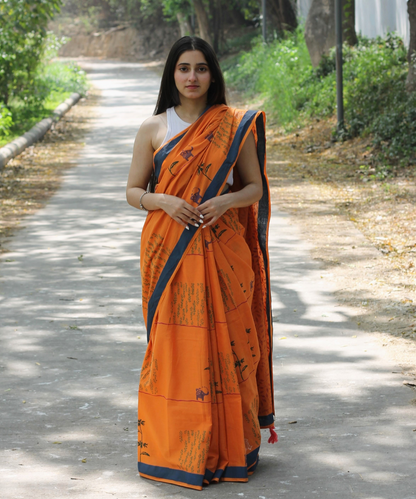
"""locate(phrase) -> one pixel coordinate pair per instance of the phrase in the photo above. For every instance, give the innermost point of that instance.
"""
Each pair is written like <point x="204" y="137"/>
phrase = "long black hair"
<point x="168" y="93"/>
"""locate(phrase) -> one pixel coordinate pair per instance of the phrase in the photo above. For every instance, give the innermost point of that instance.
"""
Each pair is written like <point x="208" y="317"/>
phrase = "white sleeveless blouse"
<point x="177" y="125"/>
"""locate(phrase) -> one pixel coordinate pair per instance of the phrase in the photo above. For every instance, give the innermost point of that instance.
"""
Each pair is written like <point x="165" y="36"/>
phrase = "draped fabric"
<point x="206" y="384"/>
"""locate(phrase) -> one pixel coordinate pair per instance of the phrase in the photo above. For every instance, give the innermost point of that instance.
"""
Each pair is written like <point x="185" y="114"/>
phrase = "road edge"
<point x="17" y="146"/>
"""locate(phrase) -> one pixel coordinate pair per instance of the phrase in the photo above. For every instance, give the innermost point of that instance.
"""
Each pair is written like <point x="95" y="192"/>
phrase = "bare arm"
<point x="139" y="175"/>
<point x="249" y="170"/>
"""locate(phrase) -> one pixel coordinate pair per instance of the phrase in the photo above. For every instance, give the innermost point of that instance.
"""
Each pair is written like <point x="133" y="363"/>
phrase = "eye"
<point x="202" y="69"/>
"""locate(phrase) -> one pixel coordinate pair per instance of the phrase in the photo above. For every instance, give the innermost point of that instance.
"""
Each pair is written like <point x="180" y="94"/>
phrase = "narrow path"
<point x="73" y="340"/>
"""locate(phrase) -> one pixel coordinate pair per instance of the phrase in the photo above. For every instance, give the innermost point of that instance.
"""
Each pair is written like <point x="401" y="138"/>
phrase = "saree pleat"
<point x="206" y="384"/>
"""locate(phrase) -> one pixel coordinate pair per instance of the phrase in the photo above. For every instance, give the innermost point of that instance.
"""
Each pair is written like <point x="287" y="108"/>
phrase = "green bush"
<point x="22" y="38"/>
<point x="6" y="120"/>
<point x="376" y="101"/>
<point x="58" y="78"/>
<point x="374" y="74"/>
<point x="53" y="83"/>
<point x="274" y="71"/>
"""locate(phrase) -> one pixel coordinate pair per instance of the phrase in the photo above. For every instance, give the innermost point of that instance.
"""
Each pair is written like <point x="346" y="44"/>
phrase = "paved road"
<point x="73" y="340"/>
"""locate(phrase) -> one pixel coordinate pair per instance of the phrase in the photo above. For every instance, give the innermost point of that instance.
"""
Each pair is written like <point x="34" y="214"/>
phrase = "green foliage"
<point x="58" y="78"/>
<point x="23" y="26"/>
<point x="375" y="74"/>
<point x="275" y="71"/>
<point x="376" y="101"/>
<point x="53" y="83"/>
<point x="6" y="120"/>
<point x="46" y="85"/>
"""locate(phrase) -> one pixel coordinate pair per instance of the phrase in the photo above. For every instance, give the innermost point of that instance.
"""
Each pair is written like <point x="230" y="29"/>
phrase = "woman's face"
<point x="192" y="75"/>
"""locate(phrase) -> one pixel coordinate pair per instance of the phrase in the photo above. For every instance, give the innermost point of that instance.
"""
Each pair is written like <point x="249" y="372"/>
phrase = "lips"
<point x="192" y="86"/>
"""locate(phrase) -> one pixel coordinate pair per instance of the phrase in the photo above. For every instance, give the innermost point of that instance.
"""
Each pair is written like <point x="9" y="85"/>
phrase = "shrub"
<point x="374" y="74"/>
<point x="274" y="71"/>
<point x="22" y="36"/>
<point x="375" y="97"/>
<point x="6" y="120"/>
<point x="52" y="83"/>
<point x="59" y="77"/>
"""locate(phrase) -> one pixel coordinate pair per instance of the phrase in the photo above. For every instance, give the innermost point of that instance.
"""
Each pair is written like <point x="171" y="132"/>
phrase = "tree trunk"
<point x="411" y="77"/>
<point x="285" y="14"/>
<point x="216" y="14"/>
<point x="289" y="20"/>
<point x="277" y="13"/>
<point x="203" y="21"/>
<point x="320" y="27"/>
<point x="348" y="24"/>
<point x="184" y="24"/>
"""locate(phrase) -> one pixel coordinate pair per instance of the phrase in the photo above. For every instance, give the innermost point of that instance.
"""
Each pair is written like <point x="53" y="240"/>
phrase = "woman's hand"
<point x="214" y="208"/>
<point x="180" y="210"/>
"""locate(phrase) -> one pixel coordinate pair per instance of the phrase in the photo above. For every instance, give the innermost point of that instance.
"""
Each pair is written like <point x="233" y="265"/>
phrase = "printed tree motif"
<point x="214" y="230"/>
<point x="248" y="331"/>
<point x="239" y="363"/>
<point x="201" y="170"/>
<point x="171" y="167"/>
<point x="142" y="445"/>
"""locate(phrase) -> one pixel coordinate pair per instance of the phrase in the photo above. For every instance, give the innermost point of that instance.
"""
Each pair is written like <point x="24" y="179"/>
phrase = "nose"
<point x="192" y="75"/>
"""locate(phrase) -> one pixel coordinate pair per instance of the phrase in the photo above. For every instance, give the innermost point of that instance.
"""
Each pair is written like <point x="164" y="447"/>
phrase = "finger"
<point x="207" y="217"/>
<point x="191" y="219"/>
<point x="204" y="211"/>
<point x="191" y="208"/>
<point x="196" y="217"/>
<point x="181" y="222"/>
<point x="210" y="221"/>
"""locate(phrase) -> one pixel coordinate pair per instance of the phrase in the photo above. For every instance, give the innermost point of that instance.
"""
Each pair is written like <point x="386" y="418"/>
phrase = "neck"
<point x="190" y="110"/>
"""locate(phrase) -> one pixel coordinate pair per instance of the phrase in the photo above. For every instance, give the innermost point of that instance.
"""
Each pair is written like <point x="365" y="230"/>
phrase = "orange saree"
<point x="206" y="385"/>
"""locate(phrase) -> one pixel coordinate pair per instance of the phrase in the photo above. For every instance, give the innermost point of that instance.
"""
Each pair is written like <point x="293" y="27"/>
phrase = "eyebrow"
<point x="188" y="64"/>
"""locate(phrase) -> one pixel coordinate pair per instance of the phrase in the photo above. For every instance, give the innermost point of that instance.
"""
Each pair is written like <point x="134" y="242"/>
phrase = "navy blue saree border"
<point x="262" y="229"/>
<point x="187" y="235"/>
<point x="166" y="149"/>
<point x="197" y="480"/>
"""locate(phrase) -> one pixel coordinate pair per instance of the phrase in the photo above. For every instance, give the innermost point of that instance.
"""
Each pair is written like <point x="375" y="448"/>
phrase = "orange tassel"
<point x="273" y="436"/>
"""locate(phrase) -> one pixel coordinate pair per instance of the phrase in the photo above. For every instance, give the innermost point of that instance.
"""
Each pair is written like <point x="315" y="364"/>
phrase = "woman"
<point x="206" y="384"/>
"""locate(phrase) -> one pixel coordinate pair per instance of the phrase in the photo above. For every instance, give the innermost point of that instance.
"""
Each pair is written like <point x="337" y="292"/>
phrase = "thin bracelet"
<point x="140" y="201"/>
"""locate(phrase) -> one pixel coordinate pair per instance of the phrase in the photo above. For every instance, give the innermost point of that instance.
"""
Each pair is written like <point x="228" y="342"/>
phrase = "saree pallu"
<point x="206" y="385"/>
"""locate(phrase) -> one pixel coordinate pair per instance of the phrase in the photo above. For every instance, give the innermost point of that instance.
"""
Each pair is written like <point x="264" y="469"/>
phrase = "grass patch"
<point x="54" y="83"/>
<point x="293" y="92"/>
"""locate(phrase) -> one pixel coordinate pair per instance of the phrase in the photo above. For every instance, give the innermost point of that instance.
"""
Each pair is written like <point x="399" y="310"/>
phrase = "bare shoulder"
<point x="152" y="129"/>
<point x="151" y="125"/>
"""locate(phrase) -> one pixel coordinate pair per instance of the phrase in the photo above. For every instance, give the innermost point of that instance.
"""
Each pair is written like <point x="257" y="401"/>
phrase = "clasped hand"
<point x="207" y="213"/>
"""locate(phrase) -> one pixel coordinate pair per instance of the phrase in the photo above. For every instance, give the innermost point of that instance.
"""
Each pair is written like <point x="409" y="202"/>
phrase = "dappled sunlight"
<point x="73" y="341"/>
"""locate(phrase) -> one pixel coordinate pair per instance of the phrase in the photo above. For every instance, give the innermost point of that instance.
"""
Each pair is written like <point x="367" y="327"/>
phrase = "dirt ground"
<point x="30" y="179"/>
<point x="330" y="190"/>
<point x="320" y="183"/>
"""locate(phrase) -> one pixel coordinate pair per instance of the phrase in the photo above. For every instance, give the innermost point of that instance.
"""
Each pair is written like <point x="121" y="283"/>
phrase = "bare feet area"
<point x="361" y="229"/>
